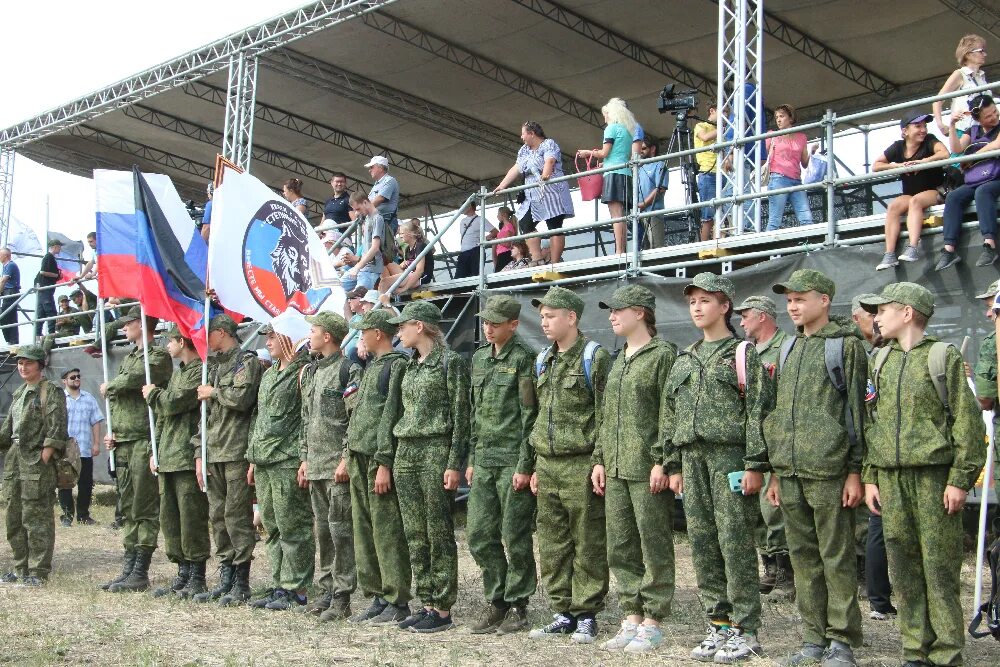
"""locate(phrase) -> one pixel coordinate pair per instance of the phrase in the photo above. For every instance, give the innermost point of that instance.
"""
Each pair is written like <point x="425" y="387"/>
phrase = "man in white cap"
<point x="385" y="191"/>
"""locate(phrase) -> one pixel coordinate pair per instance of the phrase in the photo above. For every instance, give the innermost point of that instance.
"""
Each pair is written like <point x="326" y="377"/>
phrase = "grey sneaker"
<point x="948" y="259"/>
<point x="377" y="606"/>
<point x="625" y="635"/>
<point x="715" y="637"/>
<point x="647" y="639"/>
<point x="809" y="654"/>
<point x="391" y="615"/>
<point x="839" y="654"/>
<point x="739" y="646"/>
<point x="912" y="253"/>
<point x="988" y="256"/>
<point x="888" y="261"/>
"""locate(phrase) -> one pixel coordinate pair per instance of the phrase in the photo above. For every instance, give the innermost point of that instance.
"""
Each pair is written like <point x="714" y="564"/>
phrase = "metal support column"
<point x="241" y="94"/>
<point x="6" y="189"/>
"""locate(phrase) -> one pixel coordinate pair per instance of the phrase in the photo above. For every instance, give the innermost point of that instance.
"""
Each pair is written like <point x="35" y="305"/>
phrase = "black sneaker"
<point x="413" y="619"/>
<point x="433" y="622"/>
<point x="391" y="615"/>
<point x="377" y="606"/>
<point x="285" y="600"/>
<point x="586" y="630"/>
<point x="989" y="255"/>
<point x="562" y="624"/>
<point x="32" y="581"/>
<point x="66" y="521"/>
<point x="86" y="521"/>
<point x="948" y="259"/>
<point x="268" y="598"/>
<point x="9" y="578"/>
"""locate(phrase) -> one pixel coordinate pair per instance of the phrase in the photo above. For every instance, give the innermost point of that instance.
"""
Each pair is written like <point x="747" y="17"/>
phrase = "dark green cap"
<point x="916" y="296"/>
<point x="711" y="282"/>
<point x="63" y="298"/>
<point x="32" y="352"/>
<point x="422" y="311"/>
<point x="991" y="291"/>
<point x="500" y="309"/>
<point x="334" y="324"/>
<point x="379" y="318"/>
<point x="560" y="297"/>
<point x="764" y="304"/>
<point x="225" y="323"/>
<point x="174" y="332"/>
<point x="629" y="296"/>
<point x="134" y="314"/>
<point x="266" y="330"/>
<point x="856" y="301"/>
<point x="806" y="280"/>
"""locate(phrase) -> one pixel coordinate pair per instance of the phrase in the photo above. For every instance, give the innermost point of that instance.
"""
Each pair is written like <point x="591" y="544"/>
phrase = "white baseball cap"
<point x="378" y="160"/>
<point x="372" y="296"/>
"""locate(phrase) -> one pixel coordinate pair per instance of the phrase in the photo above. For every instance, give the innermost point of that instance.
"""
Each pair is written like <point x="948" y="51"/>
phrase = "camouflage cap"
<point x="422" y="311"/>
<point x="376" y="319"/>
<point x="806" y="280"/>
<point x="764" y="304"/>
<point x="991" y="291"/>
<point x="500" y="309"/>
<point x="132" y="315"/>
<point x="334" y="324"/>
<point x="560" y="297"/>
<point x="916" y="296"/>
<point x="712" y="283"/>
<point x="856" y="301"/>
<point x="63" y="297"/>
<point x="223" y="322"/>
<point x="266" y="330"/>
<point x="32" y="352"/>
<point x="629" y="296"/>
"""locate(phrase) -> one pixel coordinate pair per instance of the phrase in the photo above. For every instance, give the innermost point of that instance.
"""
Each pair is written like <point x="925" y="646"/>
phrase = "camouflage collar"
<point x="323" y="362"/>
<point x="433" y="357"/>
<point x="926" y="340"/>
<point x="776" y="340"/>
<point x="655" y="343"/>
<point x="576" y="348"/>
<point x="504" y="352"/>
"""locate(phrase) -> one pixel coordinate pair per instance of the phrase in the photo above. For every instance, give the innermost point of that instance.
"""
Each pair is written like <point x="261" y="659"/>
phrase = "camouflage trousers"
<point x="427" y="522"/>
<point x="572" y="542"/>
<point x="720" y="526"/>
<point x="286" y="513"/>
<point x="641" y="546"/>
<point x="183" y="517"/>
<point x="821" y="545"/>
<point x="924" y="545"/>
<point x="861" y="516"/>
<point x="770" y="534"/>
<point x="331" y="506"/>
<point x="383" y="561"/>
<point x="27" y="500"/>
<point x="501" y="518"/>
<point x="140" y="495"/>
<point x="230" y="511"/>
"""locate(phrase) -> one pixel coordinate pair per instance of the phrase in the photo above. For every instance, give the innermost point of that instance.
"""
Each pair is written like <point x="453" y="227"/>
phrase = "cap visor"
<point x="784" y="288"/>
<point x="492" y="317"/>
<point x="985" y="295"/>
<point x="399" y="320"/>
<point x="871" y="305"/>
<point x="537" y="303"/>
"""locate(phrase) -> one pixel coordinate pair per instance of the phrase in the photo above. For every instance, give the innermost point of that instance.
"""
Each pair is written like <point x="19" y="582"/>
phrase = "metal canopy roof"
<point x="442" y="86"/>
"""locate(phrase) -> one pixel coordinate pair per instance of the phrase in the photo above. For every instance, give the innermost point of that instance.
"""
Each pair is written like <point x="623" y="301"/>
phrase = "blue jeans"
<point x="776" y="203"/>
<point x="706" y="192"/>
<point x="985" y="195"/>
<point x="365" y="278"/>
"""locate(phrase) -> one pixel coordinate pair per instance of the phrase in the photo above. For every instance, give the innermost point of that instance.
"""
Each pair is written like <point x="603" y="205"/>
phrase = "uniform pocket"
<point x="504" y="379"/>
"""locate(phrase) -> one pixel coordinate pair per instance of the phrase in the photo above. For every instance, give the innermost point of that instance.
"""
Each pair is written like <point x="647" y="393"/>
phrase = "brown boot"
<point x="784" y="580"/>
<point x="339" y="609"/>
<point x="490" y="619"/>
<point x="767" y="580"/>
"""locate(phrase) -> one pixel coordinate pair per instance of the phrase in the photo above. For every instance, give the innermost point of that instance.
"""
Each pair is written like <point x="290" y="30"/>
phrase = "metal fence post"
<point x="634" y="221"/>
<point x="482" y="238"/>
<point x="831" y="176"/>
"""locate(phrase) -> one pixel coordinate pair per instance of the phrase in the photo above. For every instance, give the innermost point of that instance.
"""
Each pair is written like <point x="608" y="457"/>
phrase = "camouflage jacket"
<point x="985" y="377"/>
<point x="569" y="410"/>
<point x="177" y="411"/>
<point x="235" y="376"/>
<point x="30" y="427"/>
<point x="324" y="417"/>
<point x="75" y="323"/>
<point x="909" y="426"/>
<point x="504" y="406"/>
<point x="634" y="419"/>
<point x="277" y="426"/>
<point x="367" y="432"/>
<point x="769" y="352"/>
<point x="433" y="407"/>
<point x="129" y="413"/>
<point x="806" y="434"/>
<point x="705" y="403"/>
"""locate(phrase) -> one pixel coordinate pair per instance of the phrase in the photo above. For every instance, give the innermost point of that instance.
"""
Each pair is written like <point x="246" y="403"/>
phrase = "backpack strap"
<point x="786" y="349"/>
<point x="345" y="373"/>
<point x="385" y="374"/>
<point x="589" y="352"/>
<point x="938" y="372"/>
<point x="741" y="367"/>
<point x="878" y="362"/>
<point x="833" y="351"/>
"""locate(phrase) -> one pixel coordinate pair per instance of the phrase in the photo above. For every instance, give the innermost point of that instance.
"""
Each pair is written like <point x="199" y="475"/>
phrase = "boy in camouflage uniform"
<point x="501" y="506"/>
<point x="32" y="439"/>
<point x="183" y="506"/>
<point x="572" y="538"/>
<point x="985" y="379"/>
<point x="140" y="491"/>
<point x="815" y="445"/>
<point x="324" y="466"/>
<point x="923" y="456"/>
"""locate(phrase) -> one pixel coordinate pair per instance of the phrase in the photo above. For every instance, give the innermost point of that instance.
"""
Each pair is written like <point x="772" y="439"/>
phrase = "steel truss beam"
<point x="261" y="38"/>
<point x="980" y="15"/>
<point x="237" y="140"/>
<point x="7" y="156"/>
<point x="483" y="66"/>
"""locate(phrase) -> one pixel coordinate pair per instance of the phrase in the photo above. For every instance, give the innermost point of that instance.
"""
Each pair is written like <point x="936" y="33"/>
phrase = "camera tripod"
<point x="680" y="140"/>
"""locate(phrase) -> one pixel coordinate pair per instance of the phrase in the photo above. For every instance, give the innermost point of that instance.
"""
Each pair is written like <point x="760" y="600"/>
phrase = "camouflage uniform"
<point x="29" y="485"/>
<point x="183" y="506"/>
<point x="811" y="454"/>
<point x="915" y="448"/>
<point x="985" y="379"/>
<point x="770" y="535"/>
<point x="285" y="508"/>
<point x="504" y="410"/>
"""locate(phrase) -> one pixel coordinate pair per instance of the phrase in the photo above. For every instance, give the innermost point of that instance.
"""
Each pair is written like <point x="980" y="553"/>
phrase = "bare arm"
<point x="882" y="163"/>
<point x="512" y="173"/>
<point x="378" y="200"/>
<point x="707" y="135"/>
<point x="951" y="85"/>
<point x="550" y="165"/>
<point x="369" y="255"/>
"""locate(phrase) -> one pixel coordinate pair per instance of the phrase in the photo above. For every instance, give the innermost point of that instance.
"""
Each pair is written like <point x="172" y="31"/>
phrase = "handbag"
<point x="592" y="185"/>
<point x="816" y="171"/>
<point x="983" y="171"/>
<point x="765" y="171"/>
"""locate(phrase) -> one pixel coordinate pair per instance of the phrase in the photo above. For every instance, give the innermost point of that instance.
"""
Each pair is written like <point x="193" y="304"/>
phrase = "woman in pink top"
<point x="501" y="252"/>
<point x="787" y="155"/>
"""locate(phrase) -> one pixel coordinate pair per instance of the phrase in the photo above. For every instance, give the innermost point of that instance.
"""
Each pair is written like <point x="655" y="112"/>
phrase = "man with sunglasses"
<point x="84" y="418"/>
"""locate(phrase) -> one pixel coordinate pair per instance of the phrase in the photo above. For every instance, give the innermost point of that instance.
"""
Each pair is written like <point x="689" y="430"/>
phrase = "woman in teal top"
<point x="617" y="150"/>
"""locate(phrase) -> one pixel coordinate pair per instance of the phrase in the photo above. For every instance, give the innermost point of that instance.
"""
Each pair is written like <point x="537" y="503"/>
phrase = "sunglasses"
<point x="982" y="51"/>
<point x="73" y="377"/>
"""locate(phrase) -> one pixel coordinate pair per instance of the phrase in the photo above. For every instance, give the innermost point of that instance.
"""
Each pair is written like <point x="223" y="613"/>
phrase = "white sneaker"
<point x="624" y="637"/>
<point x="710" y="645"/>
<point x="647" y="639"/>
<point x="739" y="645"/>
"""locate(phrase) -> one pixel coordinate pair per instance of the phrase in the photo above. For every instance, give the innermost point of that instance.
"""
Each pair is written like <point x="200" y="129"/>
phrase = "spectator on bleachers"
<point x="982" y="136"/>
<point x="385" y="191"/>
<point x="787" y="155"/>
<point x="203" y="228"/>
<point x="501" y="251"/>
<point x="89" y="255"/>
<point x="337" y="209"/>
<point x="538" y="160"/>
<point x="652" y="186"/>
<point x="292" y="191"/>
<point x="970" y="54"/>
<point x="520" y="257"/>
<point x="470" y="226"/>
<point x="368" y="268"/>
<point x="920" y="188"/>
<point x="705" y="134"/>
<point x="423" y="273"/>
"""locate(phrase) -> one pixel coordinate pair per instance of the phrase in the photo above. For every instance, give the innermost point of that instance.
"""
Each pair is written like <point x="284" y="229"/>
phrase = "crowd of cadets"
<point x="791" y="433"/>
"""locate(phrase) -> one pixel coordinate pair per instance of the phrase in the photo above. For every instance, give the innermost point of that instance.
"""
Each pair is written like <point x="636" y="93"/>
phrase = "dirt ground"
<point x="71" y="622"/>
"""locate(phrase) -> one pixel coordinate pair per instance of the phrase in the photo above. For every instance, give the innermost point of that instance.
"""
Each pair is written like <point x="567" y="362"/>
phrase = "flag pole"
<point x="149" y="410"/>
<point x="204" y="404"/>
<point x="984" y="497"/>
<point x="104" y="364"/>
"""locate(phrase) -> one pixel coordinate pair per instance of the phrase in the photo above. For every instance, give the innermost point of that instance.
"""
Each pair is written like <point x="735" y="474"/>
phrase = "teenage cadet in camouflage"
<point x="817" y="470"/>
<point x="324" y="466"/>
<point x="922" y="459"/>
<point x="139" y="489"/>
<point x="431" y="425"/>
<point x="631" y="474"/>
<point x="274" y="454"/>
<point x="758" y="320"/>
<point x="380" y="548"/>
<point x="231" y="393"/>
<point x="32" y="439"/>
<point x="501" y="506"/>
<point x="572" y="542"/>
<point x="985" y="379"/>
<point x="183" y="506"/>
<point x="715" y="434"/>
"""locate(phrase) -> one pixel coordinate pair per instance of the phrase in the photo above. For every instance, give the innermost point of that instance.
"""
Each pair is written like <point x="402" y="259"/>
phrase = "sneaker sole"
<point x="427" y="631"/>
<point x="534" y="634"/>
<point x="583" y="640"/>
<point x="703" y="658"/>
<point x="882" y="267"/>
<point x="948" y="265"/>
<point x="910" y="259"/>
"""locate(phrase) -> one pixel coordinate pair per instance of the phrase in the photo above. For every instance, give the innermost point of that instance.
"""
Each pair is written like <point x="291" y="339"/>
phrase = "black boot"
<point x="766" y="583"/>
<point x="784" y="580"/>
<point x="138" y="579"/>
<point x="196" y="581"/>
<point x="240" y="592"/>
<point x="226" y="574"/>
<point x="128" y="562"/>
<point x="179" y="582"/>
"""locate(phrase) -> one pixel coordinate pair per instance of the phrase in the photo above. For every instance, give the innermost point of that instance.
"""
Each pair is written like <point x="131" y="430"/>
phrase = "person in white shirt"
<point x="472" y="227"/>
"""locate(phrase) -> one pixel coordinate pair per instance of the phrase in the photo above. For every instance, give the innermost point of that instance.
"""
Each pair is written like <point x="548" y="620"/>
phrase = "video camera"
<point x="677" y="103"/>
